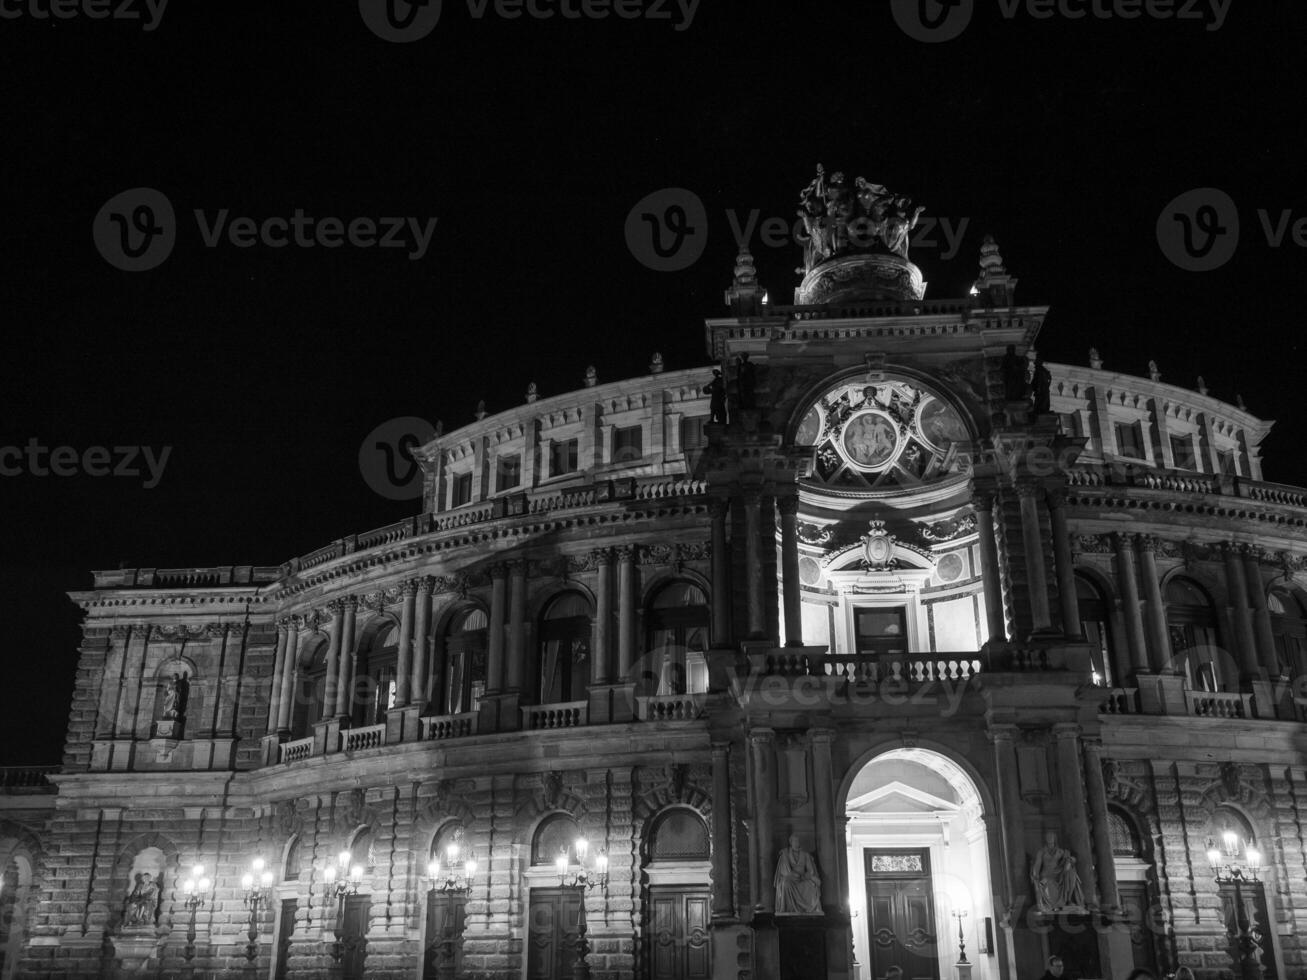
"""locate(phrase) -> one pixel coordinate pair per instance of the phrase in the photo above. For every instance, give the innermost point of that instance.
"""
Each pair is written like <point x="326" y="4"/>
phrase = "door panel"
<point x="285" y="936"/>
<point x="446" y="916"/>
<point x="1136" y="905"/>
<point x="555" y="918"/>
<point x="354" y="936"/>
<point x="901" y="915"/>
<point x="678" y="938"/>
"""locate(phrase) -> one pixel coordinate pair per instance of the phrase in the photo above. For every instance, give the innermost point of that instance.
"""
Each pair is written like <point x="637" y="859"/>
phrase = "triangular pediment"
<point x="900" y="798"/>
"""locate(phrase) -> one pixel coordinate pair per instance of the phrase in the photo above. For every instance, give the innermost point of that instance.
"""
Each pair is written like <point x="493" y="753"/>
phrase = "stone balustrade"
<point x="571" y="714"/>
<point x="27" y="779"/>
<point x="367" y="737"/>
<point x="449" y="726"/>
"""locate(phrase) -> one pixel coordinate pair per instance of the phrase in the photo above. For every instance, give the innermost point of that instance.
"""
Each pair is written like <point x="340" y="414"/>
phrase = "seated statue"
<point x="1056" y="880"/>
<point x="143" y="902"/>
<point x="798" y="886"/>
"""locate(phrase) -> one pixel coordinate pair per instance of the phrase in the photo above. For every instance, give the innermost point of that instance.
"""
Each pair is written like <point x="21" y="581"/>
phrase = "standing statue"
<point x="174" y="698"/>
<point x="1053" y="872"/>
<point x="143" y="901"/>
<point x="1042" y="388"/>
<point x="746" y="376"/>
<point x="798" y="886"/>
<point x="1014" y="375"/>
<point x="716" y="392"/>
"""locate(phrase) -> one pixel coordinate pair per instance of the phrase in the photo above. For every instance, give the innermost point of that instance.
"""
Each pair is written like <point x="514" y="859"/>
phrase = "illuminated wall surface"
<point x="927" y="655"/>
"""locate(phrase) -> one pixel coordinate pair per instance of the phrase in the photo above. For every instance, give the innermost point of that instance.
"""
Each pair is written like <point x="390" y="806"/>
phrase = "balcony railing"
<point x="299" y="749"/>
<point x="30" y="779"/>
<point x="570" y="714"/>
<point x="1212" y="704"/>
<point x="671" y="707"/>
<point x="449" y="726"/>
<point x="1121" y="701"/>
<point x="368" y="737"/>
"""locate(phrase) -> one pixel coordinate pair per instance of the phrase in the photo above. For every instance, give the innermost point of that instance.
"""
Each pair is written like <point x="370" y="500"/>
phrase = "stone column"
<point x="601" y="662"/>
<point x="1129" y="584"/>
<point x="763" y="741"/>
<point x="330" y="701"/>
<point x="1012" y="819"/>
<point x="278" y="668"/>
<point x="757" y="622"/>
<point x="516" y="624"/>
<point x="1108" y="893"/>
<point x="1159" y="639"/>
<point x="1270" y="656"/>
<point x="495" y="635"/>
<point x="348" y="661"/>
<point x="791" y="587"/>
<point x="1075" y="818"/>
<point x="625" y="612"/>
<point x="289" y="675"/>
<point x="1032" y="541"/>
<point x="723" y="879"/>
<point x="404" y="660"/>
<point x="983" y="504"/>
<point x="823" y="811"/>
<point x="721" y="598"/>
<point x="1236" y="587"/>
<point x="422" y="643"/>
<point x="1066" y="575"/>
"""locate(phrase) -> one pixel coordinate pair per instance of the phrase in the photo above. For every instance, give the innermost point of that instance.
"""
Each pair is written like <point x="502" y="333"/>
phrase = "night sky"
<point x="530" y="141"/>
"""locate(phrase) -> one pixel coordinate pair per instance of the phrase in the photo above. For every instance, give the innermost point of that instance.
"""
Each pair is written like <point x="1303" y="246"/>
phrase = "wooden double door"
<point x="901" y="914"/>
<point x="552" y="930"/>
<point x="678" y="941"/>
<point x="446" y="917"/>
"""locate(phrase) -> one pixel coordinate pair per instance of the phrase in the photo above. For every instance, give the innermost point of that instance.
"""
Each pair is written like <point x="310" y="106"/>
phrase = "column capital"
<point x="788" y="505"/>
<point x="349" y="602"/>
<point x="1003" y="733"/>
<point x="428" y="584"/>
<point x="602" y="556"/>
<point x="752" y="496"/>
<point x="760" y="736"/>
<point x="1124" y="540"/>
<point x="823" y="736"/>
<point x="625" y="553"/>
<point x="410" y="587"/>
<point x="721" y="749"/>
<point x="718" y="506"/>
<point x="1026" y="488"/>
<point x="1056" y="498"/>
<point x="336" y="607"/>
<point x="983" y="499"/>
<point x="498" y="571"/>
<point x="516" y="566"/>
<point x="1147" y="543"/>
<point x="1066" y="729"/>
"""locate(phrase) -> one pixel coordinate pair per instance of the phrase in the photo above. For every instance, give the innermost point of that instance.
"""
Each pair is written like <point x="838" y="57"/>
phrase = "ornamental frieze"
<point x="949" y="530"/>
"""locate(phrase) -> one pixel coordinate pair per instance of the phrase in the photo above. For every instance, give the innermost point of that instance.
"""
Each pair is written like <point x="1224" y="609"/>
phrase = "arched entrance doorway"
<point x="918" y="868"/>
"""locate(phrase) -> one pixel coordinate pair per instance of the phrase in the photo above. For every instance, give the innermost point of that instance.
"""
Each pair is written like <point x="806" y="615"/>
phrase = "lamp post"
<point x="1229" y="872"/>
<point x="583" y="878"/>
<point x="342" y="879"/>
<point x="195" y="887"/>
<point x="961" y="914"/>
<point x="257" y="885"/>
<point x="450" y="880"/>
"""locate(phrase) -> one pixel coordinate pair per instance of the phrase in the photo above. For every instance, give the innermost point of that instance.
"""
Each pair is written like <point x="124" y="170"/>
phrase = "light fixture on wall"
<point x="341" y="879"/>
<point x="195" y="887"/>
<point x="583" y="878"/>
<point x="1228" y="869"/>
<point x="452" y="878"/>
<point x="257" y="885"/>
<point x="961" y="914"/>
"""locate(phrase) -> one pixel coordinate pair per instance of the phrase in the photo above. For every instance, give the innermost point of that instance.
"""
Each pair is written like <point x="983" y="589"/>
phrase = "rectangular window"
<point x="693" y="435"/>
<point x="1129" y="440"/>
<point x="628" y="444"/>
<point x="563" y="456"/>
<point x="881" y="630"/>
<point x="509" y="472"/>
<point x="462" y="489"/>
<point x="1229" y="463"/>
<point x="1182" y="453"/>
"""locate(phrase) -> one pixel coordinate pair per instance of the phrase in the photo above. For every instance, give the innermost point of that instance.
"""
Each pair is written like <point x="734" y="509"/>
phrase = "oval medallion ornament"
<point x="870" y="440"/>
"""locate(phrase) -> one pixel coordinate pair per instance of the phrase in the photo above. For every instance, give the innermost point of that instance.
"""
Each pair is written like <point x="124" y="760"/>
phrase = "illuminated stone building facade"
<point x="895" y="659"/>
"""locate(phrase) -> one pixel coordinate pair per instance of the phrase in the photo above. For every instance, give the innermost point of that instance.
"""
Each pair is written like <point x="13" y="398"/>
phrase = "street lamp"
<point x="583" y="878"/>
<point x="195" y="887"/>
<point x="257" y="885"/>
<point x="452" y="881"/>
<point x="342" y="879"/>
<point x="961" y="914"/>
<point x="1228" y="871"/>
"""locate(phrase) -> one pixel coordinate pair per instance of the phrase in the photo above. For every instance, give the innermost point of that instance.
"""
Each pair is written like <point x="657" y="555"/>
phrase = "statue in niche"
<point x="143" y="902"/>
<point x="1056" y="880"/>
<point x="716" y="392"/>
<point x="798" y="886"/>
<point x="1042" y="388"/>
<point x="174" y="698"/>
<point x="1014" y="375"/>
<point x="746" y="374"/>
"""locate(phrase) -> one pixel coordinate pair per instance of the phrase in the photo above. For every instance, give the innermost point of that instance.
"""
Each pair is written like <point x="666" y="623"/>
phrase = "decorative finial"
<point x="745" y="274"/>
<point x="656" y="365"/>
<point x="991" y="259"/>
<point x="532" y="392"/>
<point x="1153" y="372"/>
<point x="994" y="285"/>
<point x="591" y="376"/>
<point x="1202" y="385"/>
<point x="1095" y="359"/>
<point x="1238" y="400"/>
<point x="440" y="428"/>
<point x="481" y="410"/>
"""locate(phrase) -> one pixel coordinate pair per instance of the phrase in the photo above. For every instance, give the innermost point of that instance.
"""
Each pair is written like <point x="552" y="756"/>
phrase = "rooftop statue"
<point x="838" y="219"/>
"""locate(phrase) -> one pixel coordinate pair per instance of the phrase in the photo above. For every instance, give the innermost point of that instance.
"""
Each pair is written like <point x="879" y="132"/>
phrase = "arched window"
<point x="311" y="690"/>
<point x="290" y="868"/>
<point x="676" y="640"/>
<point x="363" y="850"/>
<point x="465" y="661"/>
<point x="679" y="835"/>
<point x="1195" y="642"/>
<point x="1095" y="625"/>
<point x="564" y="649"/>
<point x="450" y="848"/>
<point x="1125" y="839"/>
<point x="1289" y="627"/>
<point x="374" y="685"/>
<point x="555" y="834"/>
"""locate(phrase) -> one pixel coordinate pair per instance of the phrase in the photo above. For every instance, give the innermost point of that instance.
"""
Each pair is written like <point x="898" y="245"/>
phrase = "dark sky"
<point x="531" y="140"/>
